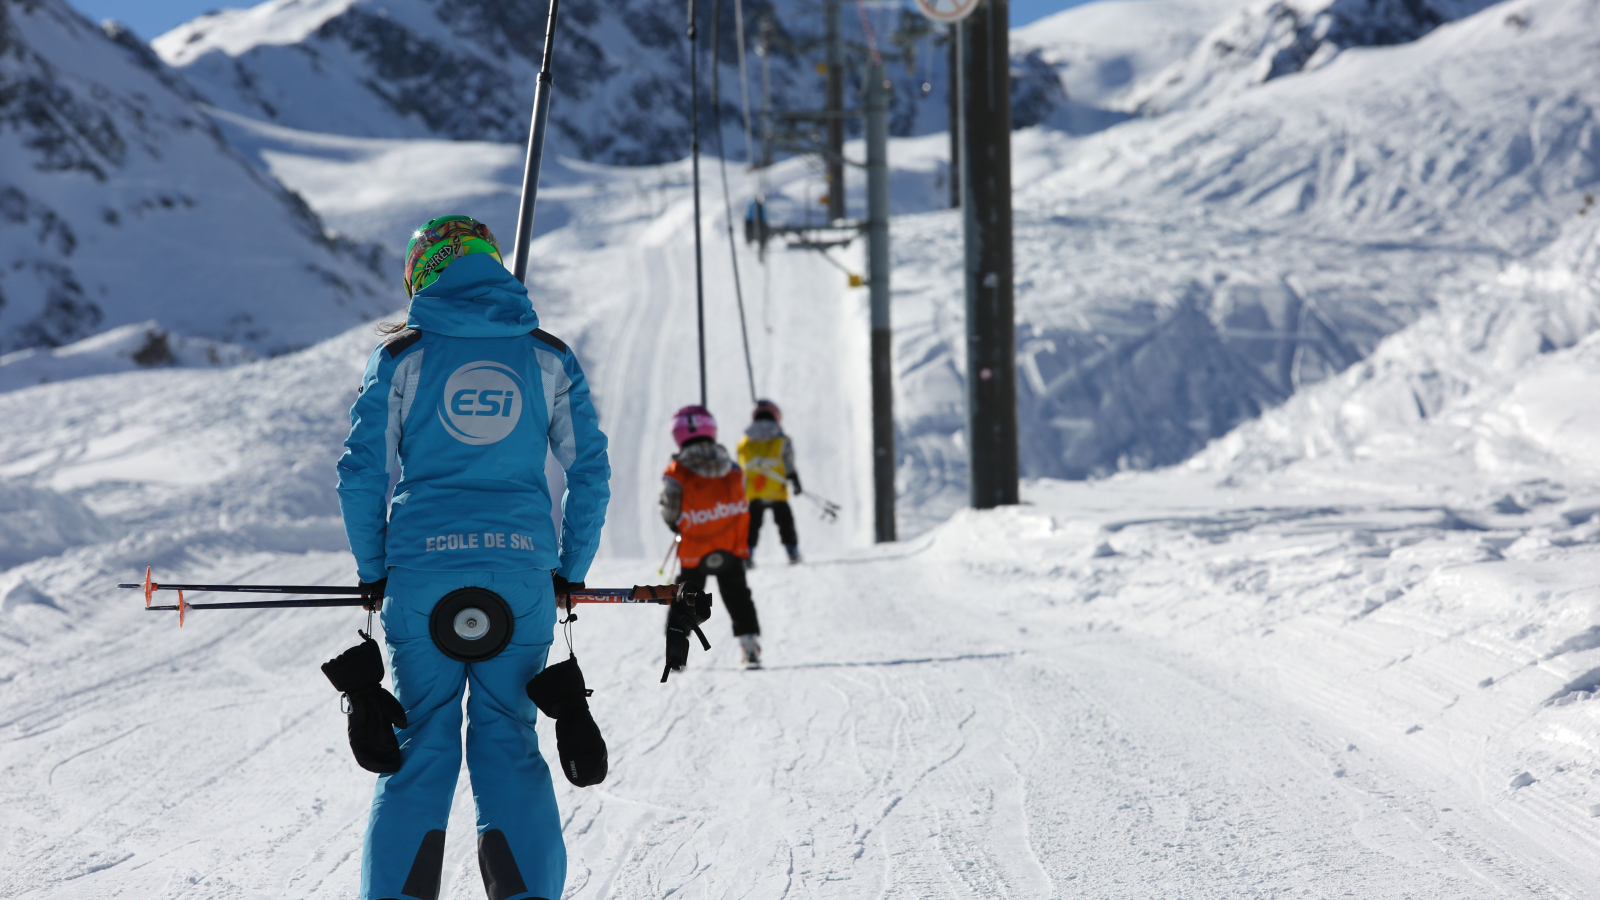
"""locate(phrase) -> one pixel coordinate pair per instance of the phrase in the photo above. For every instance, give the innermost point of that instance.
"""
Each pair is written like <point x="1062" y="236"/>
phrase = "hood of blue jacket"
<point x="474" y="297"/>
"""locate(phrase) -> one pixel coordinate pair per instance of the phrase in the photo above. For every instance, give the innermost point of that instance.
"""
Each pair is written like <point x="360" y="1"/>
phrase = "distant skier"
<point x="702" y="499"/>
<point x="465" y="399"/>
<point x="767" y="456"/>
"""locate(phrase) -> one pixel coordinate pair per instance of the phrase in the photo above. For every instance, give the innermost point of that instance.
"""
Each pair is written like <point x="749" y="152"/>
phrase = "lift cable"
<point x="727" y="203"/>
<point x="872" y="38"/>
<point x="694" y="153"/>
<point x="744" y="83"/>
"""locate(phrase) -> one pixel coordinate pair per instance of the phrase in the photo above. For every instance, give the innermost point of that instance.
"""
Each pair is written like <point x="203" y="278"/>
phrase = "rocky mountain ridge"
<point x="121" y="202"/>
<point x="466" y="70"/>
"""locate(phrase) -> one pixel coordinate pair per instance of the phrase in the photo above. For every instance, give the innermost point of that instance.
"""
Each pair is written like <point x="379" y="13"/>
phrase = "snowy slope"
<point x="1150" y="685"/>
<point x="122" y="203"/>
<point x="1177" y="275"/>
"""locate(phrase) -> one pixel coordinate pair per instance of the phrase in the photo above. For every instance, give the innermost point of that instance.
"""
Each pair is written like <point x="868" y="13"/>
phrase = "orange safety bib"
<point x="715" y="515"/>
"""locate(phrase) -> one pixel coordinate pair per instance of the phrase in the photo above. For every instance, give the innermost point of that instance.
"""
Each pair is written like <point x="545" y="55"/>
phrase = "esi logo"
<point x="482" y="402"/>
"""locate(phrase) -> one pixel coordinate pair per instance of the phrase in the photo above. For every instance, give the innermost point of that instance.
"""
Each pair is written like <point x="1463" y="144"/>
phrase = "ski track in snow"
<point x="918" y="733"/>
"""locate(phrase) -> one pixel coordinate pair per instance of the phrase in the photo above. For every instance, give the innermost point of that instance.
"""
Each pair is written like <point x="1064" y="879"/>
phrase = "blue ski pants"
<point x="520" y="850"/>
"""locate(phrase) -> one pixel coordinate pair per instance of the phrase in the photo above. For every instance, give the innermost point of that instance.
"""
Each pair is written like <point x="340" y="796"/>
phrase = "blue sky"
<point x="149" y="18"/>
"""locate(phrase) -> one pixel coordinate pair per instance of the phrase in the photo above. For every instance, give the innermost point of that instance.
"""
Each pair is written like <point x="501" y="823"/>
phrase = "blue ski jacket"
<point x="463" y="404"/>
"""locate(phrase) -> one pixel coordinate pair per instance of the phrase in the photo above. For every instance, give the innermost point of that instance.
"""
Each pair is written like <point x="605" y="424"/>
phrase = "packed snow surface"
<point x="1158" y="684"/>
<point x="1350" y="649"/>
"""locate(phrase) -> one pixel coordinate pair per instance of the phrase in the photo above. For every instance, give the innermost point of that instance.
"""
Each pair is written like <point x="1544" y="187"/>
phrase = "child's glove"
<point x="559" y="693"/>
<point x="686" y="614"/>
<point x="374" y="713"/>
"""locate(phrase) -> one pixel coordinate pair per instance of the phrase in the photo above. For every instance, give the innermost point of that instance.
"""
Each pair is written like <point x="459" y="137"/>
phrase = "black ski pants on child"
<point x="735" y="593"/>
<point x="781" y="514"/>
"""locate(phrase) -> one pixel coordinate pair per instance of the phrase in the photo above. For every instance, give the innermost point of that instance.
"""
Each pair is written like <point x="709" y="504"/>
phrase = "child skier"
<point x="465" y="401"/>
<point x="767" y="455"/>
<point x="702" y="499"/>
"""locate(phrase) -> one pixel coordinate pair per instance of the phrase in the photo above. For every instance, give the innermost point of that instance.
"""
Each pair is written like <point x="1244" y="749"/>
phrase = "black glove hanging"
<point x="686" y="614"/>
<point x="374" y="713"/>
<point x="559" y="693"/>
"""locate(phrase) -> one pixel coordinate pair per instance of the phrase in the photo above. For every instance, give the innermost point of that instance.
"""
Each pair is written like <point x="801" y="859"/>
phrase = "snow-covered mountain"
<point x="121" y="202"/>
<point x="1103" y="50"/>
<point x="1178" y="273"/>
<point x="1274" y="38"/>
<point x="466" y="69"/>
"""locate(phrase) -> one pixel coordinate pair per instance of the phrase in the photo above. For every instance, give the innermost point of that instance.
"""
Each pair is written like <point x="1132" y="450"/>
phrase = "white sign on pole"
<point x="947" y="11"/>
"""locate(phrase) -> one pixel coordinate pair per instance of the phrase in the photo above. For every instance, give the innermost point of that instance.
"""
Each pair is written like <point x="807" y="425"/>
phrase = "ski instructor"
<point x="462" y="402"/>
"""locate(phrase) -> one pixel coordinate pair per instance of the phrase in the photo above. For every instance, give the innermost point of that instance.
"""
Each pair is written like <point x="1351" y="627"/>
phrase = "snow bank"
<point x="140" y="345"/>
<point x="36" y="522"/>
<point x="1484" y="381"/>
<point x="244" y="453"/>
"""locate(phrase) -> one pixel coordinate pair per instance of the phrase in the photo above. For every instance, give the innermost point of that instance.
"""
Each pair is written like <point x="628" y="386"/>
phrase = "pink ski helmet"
<point x="770" y="408"/>
<point x="693" y="422"/>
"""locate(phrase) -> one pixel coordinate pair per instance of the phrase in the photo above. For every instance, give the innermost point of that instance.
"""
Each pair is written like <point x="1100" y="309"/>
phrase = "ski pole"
<point x="262" y="604"/>
<point x="183" y="606"/>
<point x="662" y="594"/>
<point x="658" y="594"/>
<point x="150" y="587"/>
<point x="251" y="588"/>
<point x="829" y="509"/>
<point x="662" y="569"/>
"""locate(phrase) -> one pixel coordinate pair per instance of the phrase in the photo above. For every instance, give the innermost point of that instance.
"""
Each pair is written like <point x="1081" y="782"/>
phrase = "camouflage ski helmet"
<point x="440" y="242"/>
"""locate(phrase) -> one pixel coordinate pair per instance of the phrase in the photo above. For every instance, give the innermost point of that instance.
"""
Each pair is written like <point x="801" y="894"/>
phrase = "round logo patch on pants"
<point x="471" y="624"/>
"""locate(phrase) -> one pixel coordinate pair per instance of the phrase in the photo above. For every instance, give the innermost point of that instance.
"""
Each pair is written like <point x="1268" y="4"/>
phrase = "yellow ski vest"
<point x="765" y="476"/>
